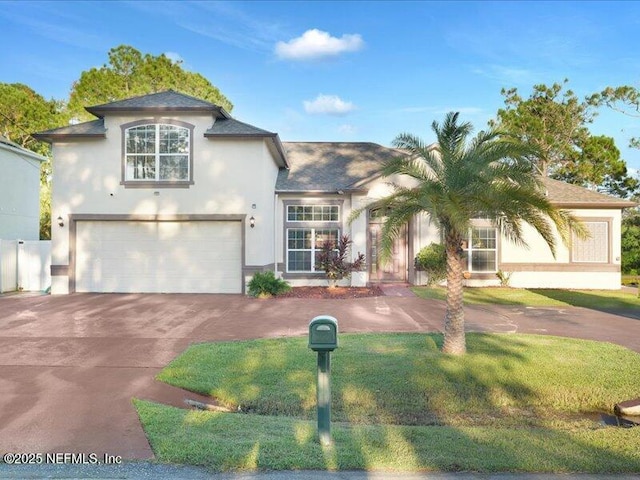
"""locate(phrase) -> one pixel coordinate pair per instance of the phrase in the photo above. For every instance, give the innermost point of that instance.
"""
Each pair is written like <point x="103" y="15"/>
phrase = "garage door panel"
<point x="181" y="257"/>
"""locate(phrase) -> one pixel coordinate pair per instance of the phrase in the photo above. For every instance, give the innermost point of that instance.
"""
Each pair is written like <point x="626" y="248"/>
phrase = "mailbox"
<point x="323" y="334"/>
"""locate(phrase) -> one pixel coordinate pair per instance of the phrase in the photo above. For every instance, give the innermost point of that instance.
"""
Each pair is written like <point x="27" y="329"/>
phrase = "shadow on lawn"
<point x="629" y="308"/>
<point x="380" y="425"/>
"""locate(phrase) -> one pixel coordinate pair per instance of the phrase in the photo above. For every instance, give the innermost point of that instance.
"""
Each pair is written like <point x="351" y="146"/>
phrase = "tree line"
<point x="127" y="73"/>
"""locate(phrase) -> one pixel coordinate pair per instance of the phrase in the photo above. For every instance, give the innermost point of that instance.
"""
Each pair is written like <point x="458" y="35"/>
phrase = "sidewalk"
<point x="135" y="470"/>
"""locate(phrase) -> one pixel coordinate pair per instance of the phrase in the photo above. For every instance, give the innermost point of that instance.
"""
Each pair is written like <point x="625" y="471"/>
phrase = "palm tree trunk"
<point x="454" y="338"/>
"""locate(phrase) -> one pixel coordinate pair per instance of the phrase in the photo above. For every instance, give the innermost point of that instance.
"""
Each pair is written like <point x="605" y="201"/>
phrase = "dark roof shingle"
<point x="161" y="101"/>
<point x="331" y="166"/>
<point x="567" y="195"/>
<point x="231" y="127"/>
<point x="94" y="128"/>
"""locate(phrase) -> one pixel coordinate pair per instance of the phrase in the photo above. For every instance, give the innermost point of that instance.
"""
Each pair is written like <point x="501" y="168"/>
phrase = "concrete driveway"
<point x="70" y="365"/>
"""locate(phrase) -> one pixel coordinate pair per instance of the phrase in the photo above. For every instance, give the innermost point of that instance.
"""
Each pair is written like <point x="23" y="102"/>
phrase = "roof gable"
<point x="167" y="101"/>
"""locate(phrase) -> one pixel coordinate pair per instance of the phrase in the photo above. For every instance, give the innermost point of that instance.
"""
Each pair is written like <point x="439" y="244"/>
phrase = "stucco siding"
<point x="231" y="176"/>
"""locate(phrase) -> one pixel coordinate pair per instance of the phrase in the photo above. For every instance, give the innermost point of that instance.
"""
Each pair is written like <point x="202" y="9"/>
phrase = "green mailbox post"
<point x="323" y="338"/>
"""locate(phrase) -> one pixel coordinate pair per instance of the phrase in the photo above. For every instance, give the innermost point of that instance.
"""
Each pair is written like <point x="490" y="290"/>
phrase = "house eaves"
<point x="94" y="129"/>
<point x="232" y="128"/>
<point x="322" y="191"/>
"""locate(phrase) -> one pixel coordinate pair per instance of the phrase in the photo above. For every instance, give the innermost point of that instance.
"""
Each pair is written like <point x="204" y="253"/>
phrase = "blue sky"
<point x="343" y="71"/>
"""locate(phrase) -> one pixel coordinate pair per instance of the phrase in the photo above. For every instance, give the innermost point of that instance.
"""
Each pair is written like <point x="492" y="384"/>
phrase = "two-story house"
<point x="169" y="193"/>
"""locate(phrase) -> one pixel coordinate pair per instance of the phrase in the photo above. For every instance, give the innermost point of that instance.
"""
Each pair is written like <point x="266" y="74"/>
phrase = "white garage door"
<point x="159" y="257"/>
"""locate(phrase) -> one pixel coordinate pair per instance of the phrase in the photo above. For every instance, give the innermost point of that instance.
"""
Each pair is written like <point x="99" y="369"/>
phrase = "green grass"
<point x="513" y="403"/>
<point x="228" y="441"/>
<point x="539" y="297"/>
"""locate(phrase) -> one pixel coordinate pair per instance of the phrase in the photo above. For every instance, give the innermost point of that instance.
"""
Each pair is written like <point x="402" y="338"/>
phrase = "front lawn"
<point x="513" y="403"/>
<point x="539" y="297"/>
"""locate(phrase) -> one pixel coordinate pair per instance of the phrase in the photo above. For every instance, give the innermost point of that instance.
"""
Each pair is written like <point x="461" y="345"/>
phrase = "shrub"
<point x="504" y="278"/>
<point x="333" y="260"/>
<point x="265" y="284"/>
<point x="432" y="259"/>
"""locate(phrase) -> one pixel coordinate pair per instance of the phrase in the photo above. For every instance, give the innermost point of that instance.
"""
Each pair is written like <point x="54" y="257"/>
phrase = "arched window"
<point x="157" y="152"/>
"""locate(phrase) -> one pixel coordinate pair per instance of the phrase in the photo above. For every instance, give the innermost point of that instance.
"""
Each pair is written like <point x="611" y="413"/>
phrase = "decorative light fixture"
<point x="60" y="222"/>
<point x="252" y="222"/>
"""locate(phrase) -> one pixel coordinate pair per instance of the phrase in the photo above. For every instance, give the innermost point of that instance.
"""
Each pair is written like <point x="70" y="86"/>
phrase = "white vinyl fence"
<point x="25" y="265"/>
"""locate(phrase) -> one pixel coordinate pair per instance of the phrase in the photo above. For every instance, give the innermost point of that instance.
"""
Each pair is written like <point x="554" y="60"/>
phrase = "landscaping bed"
<point x="332" y="293"/>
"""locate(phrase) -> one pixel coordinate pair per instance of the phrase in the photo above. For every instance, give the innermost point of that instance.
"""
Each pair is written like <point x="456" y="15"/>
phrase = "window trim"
<point x="155" y="183"/>
<point x="312" y="205"/>
<point x="469" y="241"/>
<point x="317" y="225"/>
<point x="609" y="222"/>
<point x="313" y="250"/>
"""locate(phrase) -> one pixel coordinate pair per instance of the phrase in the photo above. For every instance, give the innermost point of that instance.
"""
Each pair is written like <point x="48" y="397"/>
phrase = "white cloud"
<point x="328" y="105"/>
<point x="315" y="44"/>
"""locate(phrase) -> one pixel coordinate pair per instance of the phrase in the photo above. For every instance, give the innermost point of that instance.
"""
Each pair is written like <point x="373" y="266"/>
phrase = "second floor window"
<point x="157" y="152"/>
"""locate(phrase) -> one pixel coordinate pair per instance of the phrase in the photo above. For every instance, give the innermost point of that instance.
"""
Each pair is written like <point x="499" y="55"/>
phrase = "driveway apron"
<point x="71" y="365"/>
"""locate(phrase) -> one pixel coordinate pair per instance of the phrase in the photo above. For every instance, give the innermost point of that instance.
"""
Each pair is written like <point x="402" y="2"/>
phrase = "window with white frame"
<point x="481" y="250"/>
<point x="313" y="213"/>
<point x="157" y="153"/>
<point x="304" y="246"/>
<point x="594" y="249"/>
<point x="308" y="226"/>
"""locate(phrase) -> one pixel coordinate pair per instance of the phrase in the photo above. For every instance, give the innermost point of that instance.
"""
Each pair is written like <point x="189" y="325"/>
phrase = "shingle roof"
<point x="94" y="128"/>
<point x="331" y="166"/>
<point x="161" y="101"/>
<point x="231" y="127"/>
<point x="566" y="195"/>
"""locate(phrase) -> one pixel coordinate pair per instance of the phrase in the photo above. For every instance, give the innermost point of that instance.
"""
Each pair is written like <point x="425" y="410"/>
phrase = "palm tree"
<point x="457" y="180"/>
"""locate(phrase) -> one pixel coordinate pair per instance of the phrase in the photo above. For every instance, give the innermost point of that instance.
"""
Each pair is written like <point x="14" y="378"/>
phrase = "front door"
<point x="395" y="270"/>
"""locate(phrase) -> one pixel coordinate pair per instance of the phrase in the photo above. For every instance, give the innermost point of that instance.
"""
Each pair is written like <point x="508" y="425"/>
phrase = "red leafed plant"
<point x="333" y="260"/>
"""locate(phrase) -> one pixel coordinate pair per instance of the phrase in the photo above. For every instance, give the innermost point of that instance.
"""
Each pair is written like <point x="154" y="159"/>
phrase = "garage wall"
<point x="158" y="256"/>
<point x="231" y="177"/>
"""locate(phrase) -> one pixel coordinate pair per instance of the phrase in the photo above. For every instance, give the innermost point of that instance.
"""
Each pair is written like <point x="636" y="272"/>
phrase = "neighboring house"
<point x="19" y="192"/>
<point x="169" y="193"/>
